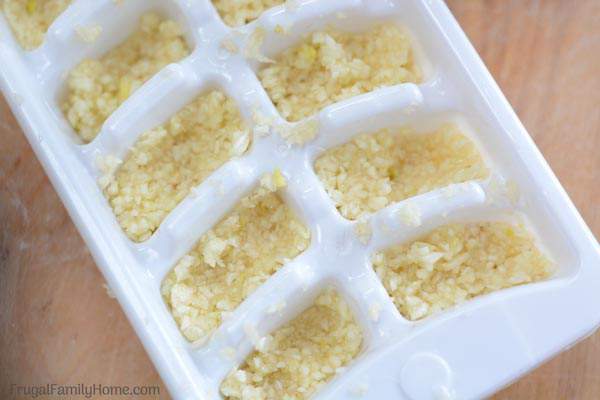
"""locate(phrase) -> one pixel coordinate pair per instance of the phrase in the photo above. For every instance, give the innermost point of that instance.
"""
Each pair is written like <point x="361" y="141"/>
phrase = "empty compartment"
<point x="96" y="87"/>
<point x="457" y="262"/>
<point x="167" y="162"/>
<point x="233" y="259"/>
<point x="333" y="65"/>
<point x="29" y="20"/>
<point x="375" y="170"/>
<point x="240" y="12"/>
<point x="300" y="357"/>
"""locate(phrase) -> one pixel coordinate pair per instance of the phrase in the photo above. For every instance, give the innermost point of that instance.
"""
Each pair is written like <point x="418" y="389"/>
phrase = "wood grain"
<point x="545" y="56"/>
<point x="58" y="325"/>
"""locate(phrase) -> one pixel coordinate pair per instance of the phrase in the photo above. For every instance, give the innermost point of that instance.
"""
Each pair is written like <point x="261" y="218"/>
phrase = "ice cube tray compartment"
<point x="65" y="47"/>
<point x="446" y="352"/>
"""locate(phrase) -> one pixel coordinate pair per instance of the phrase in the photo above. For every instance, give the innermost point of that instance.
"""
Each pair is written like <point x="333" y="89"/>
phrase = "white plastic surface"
<point x="467" y="352"/>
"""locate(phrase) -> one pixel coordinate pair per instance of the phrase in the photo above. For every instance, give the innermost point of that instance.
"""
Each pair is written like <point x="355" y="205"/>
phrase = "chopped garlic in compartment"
<point x="231" y="260"/>
<point x="30" y="19"/>
<point x="301" y="356"/>
<point x="95" y="88"/>
<point x="331" y="66"/>
<point x="167" y="162"/>
<point x="374" y="170"/>
<point x="457" y="262"/>
<point x="240" y="12"/>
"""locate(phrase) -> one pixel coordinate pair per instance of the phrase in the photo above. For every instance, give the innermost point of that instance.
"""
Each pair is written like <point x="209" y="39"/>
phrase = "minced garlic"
<point x="410" y="214"/>
<point x="170" y="160"/>
<point x="253" y="46"/>
<point x="363" y="229"/>
<point x="229" y="45"/>
<point x="241" y="12"/>
<point x="273" y="181"/>
<point x="109" y="291"/>
<point x="30" y="19"/>
<point x="95" y="88"/>
<point x="375" y="170"/>
<point x="331" y="66"/>
<point x="88" y="34"/>
<point x="231" y="260"/>
<point x="301" y="356"/>
<point x="299" y="133"/>
<point x="279" y="179"/>
<point x="457" y="262"/>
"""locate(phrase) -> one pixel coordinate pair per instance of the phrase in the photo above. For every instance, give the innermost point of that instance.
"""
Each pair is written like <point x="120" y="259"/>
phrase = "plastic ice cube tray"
<point x="467" y="352"/>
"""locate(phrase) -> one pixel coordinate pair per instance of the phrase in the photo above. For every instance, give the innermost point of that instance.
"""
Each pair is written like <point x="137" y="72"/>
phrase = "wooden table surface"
<point x="58" y="324"/>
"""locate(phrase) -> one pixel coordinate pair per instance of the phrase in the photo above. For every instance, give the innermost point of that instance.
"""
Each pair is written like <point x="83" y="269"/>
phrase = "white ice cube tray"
<point x="467" y="352"/>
